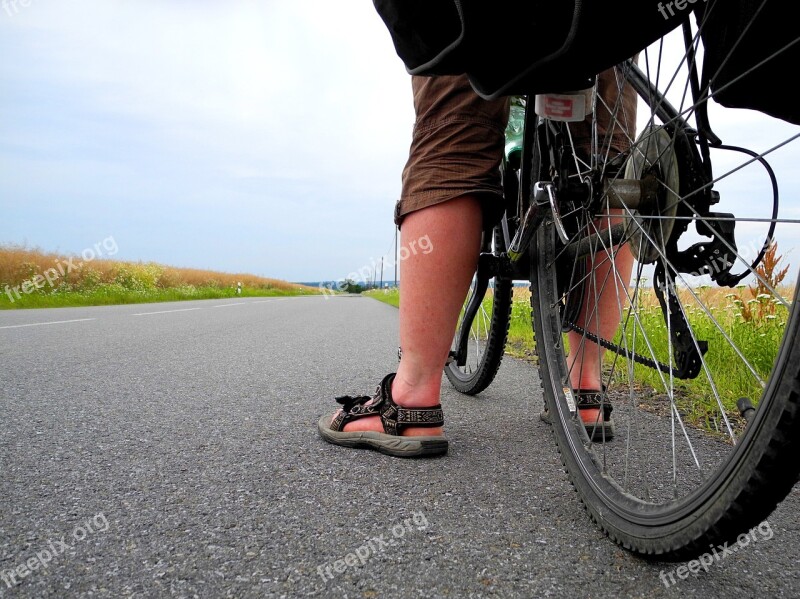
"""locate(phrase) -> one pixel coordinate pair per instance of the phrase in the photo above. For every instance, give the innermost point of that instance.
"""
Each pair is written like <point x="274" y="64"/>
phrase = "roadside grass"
<point x="757" y="339"/>
<point x="520" y="343"/>
<point x="752" y="320"/>
<point x="30" y="278"/>
<point x="388" y="296"/>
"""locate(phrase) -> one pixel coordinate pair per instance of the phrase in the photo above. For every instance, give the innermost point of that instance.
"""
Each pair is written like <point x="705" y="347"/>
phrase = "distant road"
<point x="170" y="449"/>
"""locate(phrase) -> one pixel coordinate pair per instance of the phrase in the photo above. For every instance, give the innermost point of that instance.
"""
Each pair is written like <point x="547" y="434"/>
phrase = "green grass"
<point x="758" y="339"/>
<point x="111" y="294"/>
<point x="391" y="296"/>
<point x="32" y="278"/>
<point x="520" y="342"/>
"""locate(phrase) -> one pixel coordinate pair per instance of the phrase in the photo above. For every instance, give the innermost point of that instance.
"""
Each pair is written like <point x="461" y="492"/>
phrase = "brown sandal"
<point x="587" y="399"/>
<point x="598" y="429"/>
<point x="394" y="419"/>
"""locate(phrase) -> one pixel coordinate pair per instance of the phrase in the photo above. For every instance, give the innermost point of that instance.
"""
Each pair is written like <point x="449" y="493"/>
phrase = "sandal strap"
<point x="421" y="416"/>
<point x="592" y="398"/>
<point x="393" y="417"/>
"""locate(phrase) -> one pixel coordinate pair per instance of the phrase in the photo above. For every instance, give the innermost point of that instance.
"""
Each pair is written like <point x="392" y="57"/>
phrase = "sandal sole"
<point x="595" y="431"/>
<point x="401" y="447"/>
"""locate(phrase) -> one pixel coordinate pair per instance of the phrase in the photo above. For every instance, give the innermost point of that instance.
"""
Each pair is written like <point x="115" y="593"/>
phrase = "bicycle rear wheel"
<point x="679" y="338"/>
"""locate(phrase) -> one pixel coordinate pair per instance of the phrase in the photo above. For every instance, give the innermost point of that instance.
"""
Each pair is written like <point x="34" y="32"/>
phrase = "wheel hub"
<point x="653" y="221"/>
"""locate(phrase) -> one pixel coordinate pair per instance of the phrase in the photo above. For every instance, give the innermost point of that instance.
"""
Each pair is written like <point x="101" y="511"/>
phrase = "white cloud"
<point x="289" y="98"/>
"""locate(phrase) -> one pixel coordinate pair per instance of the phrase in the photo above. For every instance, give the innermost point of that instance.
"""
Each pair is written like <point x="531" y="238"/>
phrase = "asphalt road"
<point x="171" y="450"/>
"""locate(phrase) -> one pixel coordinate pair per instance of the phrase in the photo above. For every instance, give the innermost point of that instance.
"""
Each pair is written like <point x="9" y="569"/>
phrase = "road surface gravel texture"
<point x="170" y="450"/>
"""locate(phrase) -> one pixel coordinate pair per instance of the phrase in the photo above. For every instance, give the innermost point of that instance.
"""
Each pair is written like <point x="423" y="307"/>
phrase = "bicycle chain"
<point x="619" y="350"/>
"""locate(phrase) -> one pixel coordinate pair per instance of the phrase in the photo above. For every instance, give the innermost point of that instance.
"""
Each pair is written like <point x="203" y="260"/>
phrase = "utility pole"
<point x="381" y="272"/>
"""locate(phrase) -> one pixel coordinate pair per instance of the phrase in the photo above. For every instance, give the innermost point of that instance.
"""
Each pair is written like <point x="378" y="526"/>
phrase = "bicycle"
<point x="681" y="473"/>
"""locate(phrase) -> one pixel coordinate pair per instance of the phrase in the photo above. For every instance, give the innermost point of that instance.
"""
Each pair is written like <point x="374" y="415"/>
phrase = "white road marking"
<point x="265" y="301"/>
<point x="166" y="311"/>
<point x="39" y="324"/>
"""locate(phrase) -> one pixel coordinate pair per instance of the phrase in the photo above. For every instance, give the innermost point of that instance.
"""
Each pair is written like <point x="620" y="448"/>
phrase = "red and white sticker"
<point x="561" y="107"/>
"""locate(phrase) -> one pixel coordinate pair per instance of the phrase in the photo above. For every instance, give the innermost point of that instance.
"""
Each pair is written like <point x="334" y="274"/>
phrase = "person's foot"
<point x="403" y="395"/>
<point x="595" y="412"/>
<point x="381" y="423"/>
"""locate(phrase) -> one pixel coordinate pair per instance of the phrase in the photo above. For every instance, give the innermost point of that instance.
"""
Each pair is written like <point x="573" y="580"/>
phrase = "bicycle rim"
<point x="685" y="468"/>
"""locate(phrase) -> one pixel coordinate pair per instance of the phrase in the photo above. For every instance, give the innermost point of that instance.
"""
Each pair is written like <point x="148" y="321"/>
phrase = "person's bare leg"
<point x="607" y="281"/>
<point x="432" y="291"/>
<point x="606" y="292"/>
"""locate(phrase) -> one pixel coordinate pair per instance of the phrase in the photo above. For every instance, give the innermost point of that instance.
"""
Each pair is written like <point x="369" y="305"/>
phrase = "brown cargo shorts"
<point x="456" y="147"/>
<point x="458" y="142"/>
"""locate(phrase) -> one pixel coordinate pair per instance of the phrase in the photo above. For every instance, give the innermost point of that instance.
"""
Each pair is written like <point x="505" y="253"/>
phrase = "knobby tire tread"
<point x="495" y="343"/>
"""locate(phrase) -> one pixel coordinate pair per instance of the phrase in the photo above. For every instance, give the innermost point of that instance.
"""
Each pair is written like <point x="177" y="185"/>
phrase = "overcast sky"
<point x="264" y="137"/>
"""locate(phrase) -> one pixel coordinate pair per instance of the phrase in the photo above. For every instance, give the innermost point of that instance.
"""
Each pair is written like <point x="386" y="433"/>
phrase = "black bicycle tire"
<point x="499" y="322"/>
<point x="743" y="490"/>
<point x="748" y="486"/>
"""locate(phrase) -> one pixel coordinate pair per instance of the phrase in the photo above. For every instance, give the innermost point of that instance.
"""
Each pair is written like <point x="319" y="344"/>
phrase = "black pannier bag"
<point x="524" y="46"/>
<point x="740" y="35"/>
<point x="535" y="46"/>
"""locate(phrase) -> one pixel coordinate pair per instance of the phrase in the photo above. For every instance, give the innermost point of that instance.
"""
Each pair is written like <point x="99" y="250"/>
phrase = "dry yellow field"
<point x="20" y="264"/>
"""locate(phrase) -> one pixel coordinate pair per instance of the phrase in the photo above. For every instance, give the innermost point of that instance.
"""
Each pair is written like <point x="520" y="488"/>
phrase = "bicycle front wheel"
<point x="679" y="317"/>
<point x="479" y="341"/>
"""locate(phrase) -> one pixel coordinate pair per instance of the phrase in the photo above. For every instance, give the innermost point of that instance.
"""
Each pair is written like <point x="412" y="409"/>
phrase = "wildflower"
<point x="771" y="317"/>
<point x="763" y="296"/>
